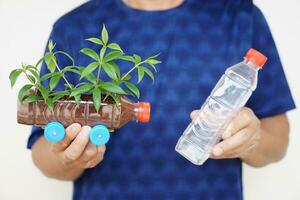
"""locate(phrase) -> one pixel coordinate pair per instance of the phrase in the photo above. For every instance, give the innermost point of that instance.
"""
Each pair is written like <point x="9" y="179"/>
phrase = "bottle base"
<point x="191" y="152"/>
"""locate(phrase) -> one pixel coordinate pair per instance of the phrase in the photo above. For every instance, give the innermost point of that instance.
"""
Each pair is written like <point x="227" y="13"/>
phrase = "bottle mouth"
<point x="144" y="112"/>
<point x="256" y="57"/>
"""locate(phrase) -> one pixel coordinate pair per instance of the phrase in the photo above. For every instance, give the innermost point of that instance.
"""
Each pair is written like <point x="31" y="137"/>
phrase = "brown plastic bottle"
<point x="67" y="112"/>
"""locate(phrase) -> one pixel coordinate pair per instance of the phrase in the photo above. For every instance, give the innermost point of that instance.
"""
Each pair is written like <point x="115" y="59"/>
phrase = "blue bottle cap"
<point x="99" y="135"/>
<point x="54" y="132"/>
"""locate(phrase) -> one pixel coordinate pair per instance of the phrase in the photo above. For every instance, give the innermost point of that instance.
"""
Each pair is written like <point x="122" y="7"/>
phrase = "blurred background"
<point x="24" y="30"/>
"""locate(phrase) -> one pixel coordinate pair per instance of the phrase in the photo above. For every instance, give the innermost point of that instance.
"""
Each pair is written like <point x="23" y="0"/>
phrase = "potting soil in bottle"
<point x="228" y="96"/>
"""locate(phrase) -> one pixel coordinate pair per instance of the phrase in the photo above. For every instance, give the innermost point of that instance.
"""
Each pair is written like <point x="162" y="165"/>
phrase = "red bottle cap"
<point x="256" y="57"/>
<point x="144" y="112"/>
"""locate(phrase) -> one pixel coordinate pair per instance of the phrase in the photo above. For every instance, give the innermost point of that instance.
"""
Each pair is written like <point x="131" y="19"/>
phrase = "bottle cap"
<point x="256" y="57"/>
<point x="54" y="131"/>
<point x="144" y="112"/>
<point x="99" y="135"/>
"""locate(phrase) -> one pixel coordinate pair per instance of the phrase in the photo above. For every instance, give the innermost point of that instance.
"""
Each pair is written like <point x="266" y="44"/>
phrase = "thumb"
<point x="194" y="114"/>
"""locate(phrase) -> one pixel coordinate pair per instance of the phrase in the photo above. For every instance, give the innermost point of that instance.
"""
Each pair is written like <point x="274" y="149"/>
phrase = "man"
<point x="197" y="39"/>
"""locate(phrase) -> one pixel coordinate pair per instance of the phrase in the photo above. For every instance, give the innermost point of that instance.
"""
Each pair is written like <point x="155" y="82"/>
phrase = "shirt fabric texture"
<point x="198" y="40"/>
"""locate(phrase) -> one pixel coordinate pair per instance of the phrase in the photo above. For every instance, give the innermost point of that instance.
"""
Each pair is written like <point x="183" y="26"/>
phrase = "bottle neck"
<point x="136" y="111"/>
<point x="251" y="64"/>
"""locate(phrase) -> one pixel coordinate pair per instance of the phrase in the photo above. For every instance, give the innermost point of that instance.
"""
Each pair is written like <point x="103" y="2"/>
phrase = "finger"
<point x="240" y="121"/>
<point x="71" y="133"/>
<point x="232" y="143"/>
<point x="76" y="148"/>
<point x="237" y="153"/>
<point x="194" y="114"/>
<point x="89" y="153"/>
<point x="227" y="156"/>
<point x="93" y="163"/>
<point x="241" y="150"/>
<point x="97" y="159"/>
<point x="234" y="153"/>
<point x="101" y="149"/>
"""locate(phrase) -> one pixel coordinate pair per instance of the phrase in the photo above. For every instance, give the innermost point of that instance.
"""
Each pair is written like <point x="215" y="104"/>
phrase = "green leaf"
<point x="13" y="76"/>
<point x="112" y="56"/>
<point x="140" y="74"/>
<point x="44" y="92"/>
<point x="70" y="69"/>
<point x="77" y="99"/>
<point x="152" y="57"/>
<point x="129" y="93"/>
<point x="48" y="75"/>
<point x="64" y="93"/>
<point x="127" y="58"/>
<point x="97" y="98"/>
<point x="29" y="67"/>
<point x="95" y="40"/>
<point x="137" y="58"/>
<point x="34" y="73"/>
<point x="66" y="54"/>
<point x="54" y="81"/>
<point x="51" y="46"/>
<point x="115" y="46"/>
<point x="110" y="71"/>
<point x="153" y="67"/>
<point x="50" y="103"/>
<point x="116" y="98"/>
<point x="81" y="83"/>
<point x="31" y="78"/>
<point x="153" y="61"/>
<point x="32" y="98"/>
<point x="59" y="94"/>
<point x="148" y="72"/>
<point x="128" y="77"/>
<point x="102" y="52"/>
<point x="104" y="35"/>
<point x="50" y="61"/>
<point x="81" y="90"/>
<point x="57" y="97"/>
<point x="39" y="62"/>
<point x="90" y="52"/>
<point x="24" y="91"/>
<point x="90" y="77"/>
<point x="112" y="87"/>
<point x="116" y="68"/>
<point x="133" y="89"/>
<point x="89" y="69"/>
<point x="68" y="86"/>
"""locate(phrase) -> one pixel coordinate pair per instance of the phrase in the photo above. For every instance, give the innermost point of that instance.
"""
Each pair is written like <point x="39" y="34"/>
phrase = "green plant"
<point x="118" y="85"/>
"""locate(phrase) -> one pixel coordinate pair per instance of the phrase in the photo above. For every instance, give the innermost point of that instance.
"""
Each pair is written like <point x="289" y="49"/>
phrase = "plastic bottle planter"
<point x="66" y="112"/>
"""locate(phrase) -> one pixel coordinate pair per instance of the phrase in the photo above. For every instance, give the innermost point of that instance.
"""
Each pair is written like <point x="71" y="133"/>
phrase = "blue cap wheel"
<point x="99" y="135"/>
<point x="54" y="132"/>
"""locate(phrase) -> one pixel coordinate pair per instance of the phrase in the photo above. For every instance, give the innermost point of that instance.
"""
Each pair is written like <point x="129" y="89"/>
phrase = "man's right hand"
<point x="75" y="150"/>
<point x="67" y="159"/>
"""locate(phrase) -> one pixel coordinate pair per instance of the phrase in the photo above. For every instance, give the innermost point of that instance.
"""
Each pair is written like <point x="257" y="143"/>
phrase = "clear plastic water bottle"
<point x="229" y="95"/>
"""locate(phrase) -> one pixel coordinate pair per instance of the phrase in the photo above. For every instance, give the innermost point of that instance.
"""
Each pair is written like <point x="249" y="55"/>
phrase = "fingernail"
<point x="85" y="132"/>
<point x="217" y="151"/>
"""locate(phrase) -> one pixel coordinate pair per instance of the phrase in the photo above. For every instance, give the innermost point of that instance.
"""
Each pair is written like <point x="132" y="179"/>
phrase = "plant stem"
<point x="105" y="97"/>
<point x="63" y="76"/>
<point x="99" y="69"/>
<point x="135" y="66"/>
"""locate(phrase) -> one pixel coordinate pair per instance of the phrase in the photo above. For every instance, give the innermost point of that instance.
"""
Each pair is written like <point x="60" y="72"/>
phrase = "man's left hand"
<point x="240" y="138"/>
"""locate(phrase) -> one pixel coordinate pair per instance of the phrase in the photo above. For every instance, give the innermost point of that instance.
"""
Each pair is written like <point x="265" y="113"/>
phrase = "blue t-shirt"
<point x="198" y="40"/>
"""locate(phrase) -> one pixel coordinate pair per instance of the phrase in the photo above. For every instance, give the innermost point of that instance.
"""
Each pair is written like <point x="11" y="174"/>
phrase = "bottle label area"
<point x="226" y="99"/>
